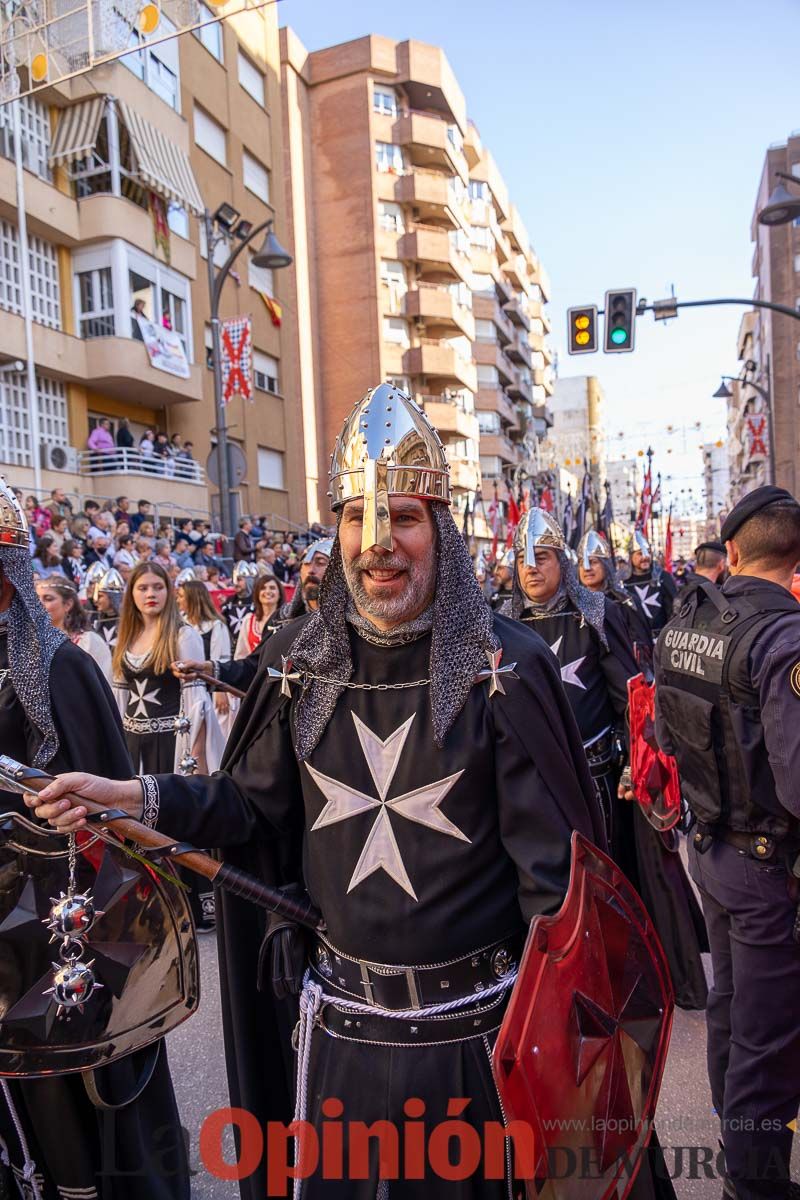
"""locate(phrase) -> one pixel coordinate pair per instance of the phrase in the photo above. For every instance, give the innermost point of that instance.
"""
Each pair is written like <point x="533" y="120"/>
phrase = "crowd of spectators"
<point x="122" y="533"/>
<point x="154" y="452"/>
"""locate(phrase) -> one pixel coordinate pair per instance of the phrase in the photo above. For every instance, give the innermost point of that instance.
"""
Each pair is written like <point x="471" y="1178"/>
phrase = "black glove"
<point x="283" y="956"/>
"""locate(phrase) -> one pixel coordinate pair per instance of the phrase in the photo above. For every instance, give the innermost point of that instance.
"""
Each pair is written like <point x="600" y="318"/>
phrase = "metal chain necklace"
<point x="365" y="687"/>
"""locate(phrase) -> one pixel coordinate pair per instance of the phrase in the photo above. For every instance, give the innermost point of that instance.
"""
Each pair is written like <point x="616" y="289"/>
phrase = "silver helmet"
<point x="112" y="581"/>
<point x="95" y="574"/>
<point x="639" y="542"/>
<point x="592" y="545"/>
<point x="243" y="570"/>
<point x="13" y="522"/>
<point x="538" y="528"/>
<point x="184" y="576"/>
<point x="387" y="447"/>
<point x="322" y="546"/>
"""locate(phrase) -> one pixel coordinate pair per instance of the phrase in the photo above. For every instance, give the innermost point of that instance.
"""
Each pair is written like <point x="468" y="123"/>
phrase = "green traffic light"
<point x="619" y="336"/>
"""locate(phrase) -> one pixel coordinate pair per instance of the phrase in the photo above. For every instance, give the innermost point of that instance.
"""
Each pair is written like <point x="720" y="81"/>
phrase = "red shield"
<point x="582" y="1047"/>
<point x="654" y="774"/>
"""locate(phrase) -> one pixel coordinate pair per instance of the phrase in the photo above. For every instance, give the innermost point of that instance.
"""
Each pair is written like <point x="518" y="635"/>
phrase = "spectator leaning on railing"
<point x="125" y="439"/>
<point x="101" y="441"/>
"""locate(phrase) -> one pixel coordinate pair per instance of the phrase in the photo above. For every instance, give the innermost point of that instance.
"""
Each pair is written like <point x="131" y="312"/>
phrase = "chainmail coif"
<point x="462" y="634"/>
<point x="591" y="605"/>
<point x="32" y="642"/>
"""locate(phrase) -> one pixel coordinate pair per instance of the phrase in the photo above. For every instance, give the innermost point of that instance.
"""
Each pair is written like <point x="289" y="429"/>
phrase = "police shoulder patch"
<point x="794" y="678"/>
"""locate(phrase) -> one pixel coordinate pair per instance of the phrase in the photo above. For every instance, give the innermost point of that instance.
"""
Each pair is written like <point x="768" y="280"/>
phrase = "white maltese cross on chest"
<point x="381" y="852"/>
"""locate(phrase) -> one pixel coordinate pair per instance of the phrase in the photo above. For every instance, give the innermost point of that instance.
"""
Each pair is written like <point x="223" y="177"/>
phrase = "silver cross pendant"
<point x="494" y="671"/>
<point x="286" y="675"/>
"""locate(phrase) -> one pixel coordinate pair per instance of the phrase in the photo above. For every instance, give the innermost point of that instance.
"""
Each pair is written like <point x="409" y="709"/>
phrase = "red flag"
<point x="512" y="520"/>
<point x="494" y="521"/>
<point x="668" y="544"/>
<point x="546" y="501"/>
<point x="646" y="505"/>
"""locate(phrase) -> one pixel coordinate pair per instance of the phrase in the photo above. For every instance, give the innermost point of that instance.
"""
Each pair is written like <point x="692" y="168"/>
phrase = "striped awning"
<point x="162" y="166"/>
<point x="76" y="132"/>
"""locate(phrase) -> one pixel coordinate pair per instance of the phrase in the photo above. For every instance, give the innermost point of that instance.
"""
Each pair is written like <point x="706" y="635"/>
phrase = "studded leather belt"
<point x="399" y="987"/>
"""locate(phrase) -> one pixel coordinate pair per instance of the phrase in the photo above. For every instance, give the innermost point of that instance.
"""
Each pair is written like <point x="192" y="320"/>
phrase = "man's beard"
<point x="420" y="584"/>
<point x="310" y="591"/>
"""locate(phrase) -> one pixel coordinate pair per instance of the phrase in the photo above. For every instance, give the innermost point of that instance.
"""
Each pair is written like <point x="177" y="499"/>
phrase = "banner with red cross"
<point x="756" y="438"/>
<point x="237" y="358"/>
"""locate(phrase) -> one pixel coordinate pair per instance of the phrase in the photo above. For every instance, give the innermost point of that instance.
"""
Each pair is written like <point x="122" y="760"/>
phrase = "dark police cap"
<point x="717" y="547"/>
<point x="754" y="502"/>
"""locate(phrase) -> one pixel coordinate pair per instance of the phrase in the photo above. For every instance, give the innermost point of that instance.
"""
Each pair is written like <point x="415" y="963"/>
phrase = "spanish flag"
<point x="273" y="308"/>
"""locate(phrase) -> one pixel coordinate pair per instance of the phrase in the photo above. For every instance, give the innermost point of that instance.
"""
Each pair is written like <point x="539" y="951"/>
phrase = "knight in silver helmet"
<point x="587" y="635"/>
<point x="651" y="588"/>
<point x="597" y="571"/>
<point x="312" y="571"/>
<point x="108" y="592"/>
<point x="415" y="752"/>
<point x="503" y="577"/>
<point x="57" y="712"/>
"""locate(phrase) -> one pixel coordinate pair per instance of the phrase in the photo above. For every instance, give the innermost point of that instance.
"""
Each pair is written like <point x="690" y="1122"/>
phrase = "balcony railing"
<point x="131" y="462"/>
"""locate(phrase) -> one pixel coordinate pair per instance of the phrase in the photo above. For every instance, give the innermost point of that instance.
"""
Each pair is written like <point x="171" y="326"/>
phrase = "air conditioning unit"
<point x="59" y="458"/>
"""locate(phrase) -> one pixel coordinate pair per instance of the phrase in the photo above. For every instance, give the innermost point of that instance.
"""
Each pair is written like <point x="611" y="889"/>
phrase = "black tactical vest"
<point x="706" y="698"/>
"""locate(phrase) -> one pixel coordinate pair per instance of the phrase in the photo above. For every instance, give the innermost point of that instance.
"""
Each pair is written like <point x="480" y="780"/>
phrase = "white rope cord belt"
<point x="28" y="1165"/>
<point x="313" y="999"/>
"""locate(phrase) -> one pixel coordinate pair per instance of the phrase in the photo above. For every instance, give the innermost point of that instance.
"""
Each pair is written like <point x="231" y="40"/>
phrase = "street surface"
<point x="685" y="1118"/>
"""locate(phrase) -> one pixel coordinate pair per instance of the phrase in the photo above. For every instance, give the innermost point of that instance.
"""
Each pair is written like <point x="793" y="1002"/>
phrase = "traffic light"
<point x="620" y="323"/>
<point x="582" y="324"/>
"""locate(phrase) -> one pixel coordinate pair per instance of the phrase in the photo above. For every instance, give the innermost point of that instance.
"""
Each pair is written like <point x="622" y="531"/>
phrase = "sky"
<point x="632" y="138"/>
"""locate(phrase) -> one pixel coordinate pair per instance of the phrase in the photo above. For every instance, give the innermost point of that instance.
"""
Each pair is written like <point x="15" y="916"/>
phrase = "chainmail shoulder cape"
<point x="591" y="605"/>
<point x="612" y="583"/>
<point x="462" y="634"/>
<point x="32" y="642"/>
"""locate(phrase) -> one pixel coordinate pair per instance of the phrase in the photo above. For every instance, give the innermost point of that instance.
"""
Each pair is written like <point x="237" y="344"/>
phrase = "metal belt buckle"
<point x="762" y="848"/>
<point x="410" y="977"/>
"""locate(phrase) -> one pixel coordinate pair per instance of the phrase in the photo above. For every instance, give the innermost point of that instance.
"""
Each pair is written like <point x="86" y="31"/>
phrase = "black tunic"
<point x="480" y="849"/>
<point x="656" y="595"/>
<point x="234" y="612"/>
<point x="108" y="629"/>
<point x="74" y="1144"/>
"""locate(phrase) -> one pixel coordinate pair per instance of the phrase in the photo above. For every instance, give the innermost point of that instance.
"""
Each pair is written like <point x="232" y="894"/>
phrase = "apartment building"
<point x="716" y="480"/>
<point x="118" y="167"/>
<point x="578" y="431"/>
<point x="771" y="343"/>
<point x="411" y="264"/>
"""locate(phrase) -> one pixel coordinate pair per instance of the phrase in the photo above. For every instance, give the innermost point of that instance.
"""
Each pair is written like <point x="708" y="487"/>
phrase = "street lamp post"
<point x="724" y="393"/>
<point x="223" y="226"/>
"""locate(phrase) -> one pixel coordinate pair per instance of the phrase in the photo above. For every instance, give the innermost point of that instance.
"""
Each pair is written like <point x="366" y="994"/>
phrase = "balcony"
<point x="431" y="247"/>
<point x="179" y="485"/>
<point x="544" y="378"/>
<point x="497" y="445"/>
<point x="518" y="314"/>
<point x="473" y="149"/>
<point x="450" y="417"/>
<point x="464" y="474"/>
<point x="426" y="141"/>
<point x="120" y="368"/>
<point x="486" y="308"/>
<point x="436" y="306"/>
<point x="520" y="388"/>
<point x="542" y="413"/>
<point x="495" y="400"/>
<point x="519" y="350"/>
<point x="430" y="192"/>
<point x="536" y="311"/>
<point x="489" y="354"/>
<point x="436" y="359"/>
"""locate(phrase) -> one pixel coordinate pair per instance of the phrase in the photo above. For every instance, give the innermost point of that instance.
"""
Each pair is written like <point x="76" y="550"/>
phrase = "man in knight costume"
<point x="413" y="754"/>
<point x="597" y="572"/>
<point x="588" y="637"/>
<point x="57" y="712"/>
<point x="650" y="859"/>
<point x="654" y="588"/>
<point x="312" y="572"/>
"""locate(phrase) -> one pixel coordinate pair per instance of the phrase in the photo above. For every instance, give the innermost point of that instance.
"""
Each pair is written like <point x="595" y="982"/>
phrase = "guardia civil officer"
<point x="728" y="708"/>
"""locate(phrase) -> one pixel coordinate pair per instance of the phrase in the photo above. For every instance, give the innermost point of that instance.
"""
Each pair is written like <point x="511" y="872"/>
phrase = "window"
<point x="396" y="330"/>
<point x="480" y="235"/>
<point x="208" y="342"/>
<point x="461" y="293"/>
<point x="401" y="382"/>
<point x="454" y="137"/>
<point x="260" y="278"/>
<point x="221" y="250"/>
<point x="478" y="190"/>
<point x="15" y="431"/>
<point x="157" y="66"/>
<point x="178" y="219"/>
<point x="173" y="314"/>
<point x="43" y="275"/>
<point x="491" y="466"/>
<point x="10" y="287"/>
<point x="96" y="303"/>
<point x="489" y="422"/>
<point x="265" y="372"/>
<point x="34" y="123"/>
<point x="209" y="35"/>
<point x="393" y="277"/>
<point x="459" y="241"/>
<point x="482" y="283"/>
<point x="389" y="157"/>
<point x="797" y="263"/>
<point x="487" y="376"/>
<point x="270" y="469"/>
<point x="485" y="331"/>
<point x="384" y="100"/>
<point x="251" y="80"/>
<point x="209" y="136"/>
<point x="256" y="177"/>
<point x="390" y="217"/>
